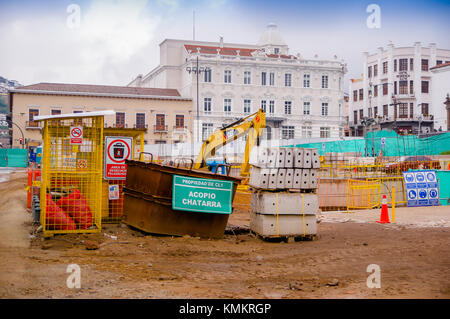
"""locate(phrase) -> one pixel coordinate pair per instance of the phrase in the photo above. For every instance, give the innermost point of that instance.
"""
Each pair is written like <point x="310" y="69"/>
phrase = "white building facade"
<point x="396" y="89"/>
<point x="301" y="98"/>
<point x="440" y="90"/>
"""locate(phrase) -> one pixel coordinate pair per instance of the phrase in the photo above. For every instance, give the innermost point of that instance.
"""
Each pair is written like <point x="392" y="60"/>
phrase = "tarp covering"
<point x="13" y="157"/>
<point x="394" y="144"/>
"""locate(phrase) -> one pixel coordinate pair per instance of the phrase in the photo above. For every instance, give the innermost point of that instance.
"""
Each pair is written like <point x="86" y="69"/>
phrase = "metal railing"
<point x="159" y="128"/>
<point x="141" y="126"/>
<point x="33" y="125"/>
<point x="179" y="129"/>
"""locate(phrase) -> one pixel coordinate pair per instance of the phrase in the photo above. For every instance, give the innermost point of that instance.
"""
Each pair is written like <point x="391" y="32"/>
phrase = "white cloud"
<point x="109" y="44"/>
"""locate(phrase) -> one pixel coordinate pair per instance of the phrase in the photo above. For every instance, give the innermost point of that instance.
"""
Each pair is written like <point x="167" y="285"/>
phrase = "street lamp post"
<point x="197" y="70"/>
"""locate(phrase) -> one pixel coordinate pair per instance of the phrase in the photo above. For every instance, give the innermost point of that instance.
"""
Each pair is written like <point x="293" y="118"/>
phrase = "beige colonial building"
<point x="165" y="114"/>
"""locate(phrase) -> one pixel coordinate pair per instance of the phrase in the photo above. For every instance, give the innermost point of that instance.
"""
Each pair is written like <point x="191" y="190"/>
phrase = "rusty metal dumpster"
<point x="149" y="204"/>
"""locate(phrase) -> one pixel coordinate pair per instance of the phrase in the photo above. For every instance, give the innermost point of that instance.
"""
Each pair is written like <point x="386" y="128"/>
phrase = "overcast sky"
<point x="40" y="41"/>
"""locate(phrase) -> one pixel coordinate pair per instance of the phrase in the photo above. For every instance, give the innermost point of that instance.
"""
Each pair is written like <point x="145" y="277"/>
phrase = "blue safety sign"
<point x="421" y="188"/>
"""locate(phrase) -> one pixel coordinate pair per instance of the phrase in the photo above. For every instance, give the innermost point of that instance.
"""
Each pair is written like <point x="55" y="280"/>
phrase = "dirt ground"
<point x="414" y="261"/>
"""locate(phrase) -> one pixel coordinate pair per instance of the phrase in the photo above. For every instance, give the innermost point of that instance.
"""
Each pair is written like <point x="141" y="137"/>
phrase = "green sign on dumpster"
<point x="202" y="195"/>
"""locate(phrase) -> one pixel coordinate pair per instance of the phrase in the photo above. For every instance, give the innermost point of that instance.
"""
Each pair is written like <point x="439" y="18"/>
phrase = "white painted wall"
<point x="440" y="88"/>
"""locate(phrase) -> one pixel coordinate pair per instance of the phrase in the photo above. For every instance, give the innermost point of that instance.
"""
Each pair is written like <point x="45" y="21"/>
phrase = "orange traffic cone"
<point x="384" y="218"/>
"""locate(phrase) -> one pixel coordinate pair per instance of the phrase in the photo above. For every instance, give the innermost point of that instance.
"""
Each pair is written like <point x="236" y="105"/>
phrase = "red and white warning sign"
<point x="76" y="135"/>
<point x="117" y="150"/>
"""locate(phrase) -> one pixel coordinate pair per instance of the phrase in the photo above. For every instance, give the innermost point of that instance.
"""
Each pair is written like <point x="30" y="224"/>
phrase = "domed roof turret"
<point x="271" y="36"/>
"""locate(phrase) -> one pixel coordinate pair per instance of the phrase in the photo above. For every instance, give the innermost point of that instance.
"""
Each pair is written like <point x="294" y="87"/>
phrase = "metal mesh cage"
<point x="71" y="191"/>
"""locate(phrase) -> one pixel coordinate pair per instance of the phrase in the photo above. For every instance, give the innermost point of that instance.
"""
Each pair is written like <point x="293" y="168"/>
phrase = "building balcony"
<point x="415" y="118"/>
<point x="179" y="129"/>
<point x="118" y="125"/>
<point x="33" y="125"/>
<point x="159" y="128"/>
<point x="140" y="126"/>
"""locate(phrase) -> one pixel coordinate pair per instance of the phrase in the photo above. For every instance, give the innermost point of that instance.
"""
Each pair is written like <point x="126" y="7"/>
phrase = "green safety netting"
<point x="394" y="144"/>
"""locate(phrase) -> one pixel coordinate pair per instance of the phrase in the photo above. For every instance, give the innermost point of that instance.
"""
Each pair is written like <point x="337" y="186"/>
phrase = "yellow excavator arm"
<point x="253" y="127"/>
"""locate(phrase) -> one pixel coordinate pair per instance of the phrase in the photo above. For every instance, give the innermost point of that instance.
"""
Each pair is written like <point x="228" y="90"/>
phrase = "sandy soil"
<point x="414" y="262"/>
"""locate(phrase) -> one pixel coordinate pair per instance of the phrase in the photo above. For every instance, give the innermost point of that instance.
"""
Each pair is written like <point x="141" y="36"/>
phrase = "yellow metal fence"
<point x="71" y="191"/>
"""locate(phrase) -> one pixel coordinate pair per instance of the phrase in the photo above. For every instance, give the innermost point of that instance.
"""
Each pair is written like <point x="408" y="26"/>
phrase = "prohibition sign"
<point x="76" y="132"/>
<point x="112" y="158"/>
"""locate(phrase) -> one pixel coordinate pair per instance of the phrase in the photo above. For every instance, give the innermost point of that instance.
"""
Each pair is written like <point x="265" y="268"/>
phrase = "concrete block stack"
<point x="284" y="200"/>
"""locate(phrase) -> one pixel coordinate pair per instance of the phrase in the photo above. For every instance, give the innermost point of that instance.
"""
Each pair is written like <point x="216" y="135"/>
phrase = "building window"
<point x="263" y="78"/>
<point x="207" y="75"/>
<point x="306" y="108"/>
<point x="207" y="130"/>
<point x="271" y="107"/>
<point x="324" y="81"/>
<point x="247" y="77"/>
<point x="385" y="67"/>
<point x="375" y="111"/>
<point x="287" y="107"/>
<point x="369" y="72"/>
<point x="207" y="105"/>
<point x="247" y="106"/>
<point x="227" y="106"/>
<point x="31" y="114"/>
<point x="411" y="64"/>
<point x="287" y="132"/>
<point x="307" y="131"/>
<point x="140" y="120"/>
<point x="375" y="70"/>
<point x="395" y="65"/>
<point x="227" y="76"/>
<point x="425" y="109"/>
<point x="355" y="95"/>
<point x="385" y="110"/>
<point x="385" y="88"/>
<point x="424" y="86"/>
<point x="411" y="110"/>
<point x="395" y="87"/>
<point x="403" y="110"/>
<point x="264" y="106"/>
<point x="324" y="132"/>
<point x="403" y="65"/>
<point x="361" y="94"/>
<point x="120" y="119"/>
<point x="287" y="79"/>
<point x="271" y="79"/>
<point x="438" y="62"/>
<point x="324" y="109"/>
<point x="56" y="112"/>
<point x="306" y="80"/>
<point x="424" y="64"/>
<point x="276" y="50"/>
<point x="160" y="142"/>
<point x="403" y="87"/>
<point x="375" y="90"/>
<point x="355" y="117"/>
<point x="361" y="114"/>
<point x="370" y="112"/>
<point x="160" y="122"/>
<point x="179" y="121"/>
<point x="411" y="87"/>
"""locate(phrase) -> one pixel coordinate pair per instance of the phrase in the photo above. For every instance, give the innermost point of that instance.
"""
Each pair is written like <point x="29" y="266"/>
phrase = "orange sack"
<point x="76" y="206"/>
<point x="56" y="218"/>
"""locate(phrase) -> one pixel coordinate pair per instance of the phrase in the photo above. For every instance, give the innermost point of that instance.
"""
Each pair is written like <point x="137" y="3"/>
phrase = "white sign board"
<point x="117" y="150"/>
<point x="76" y="135"/>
